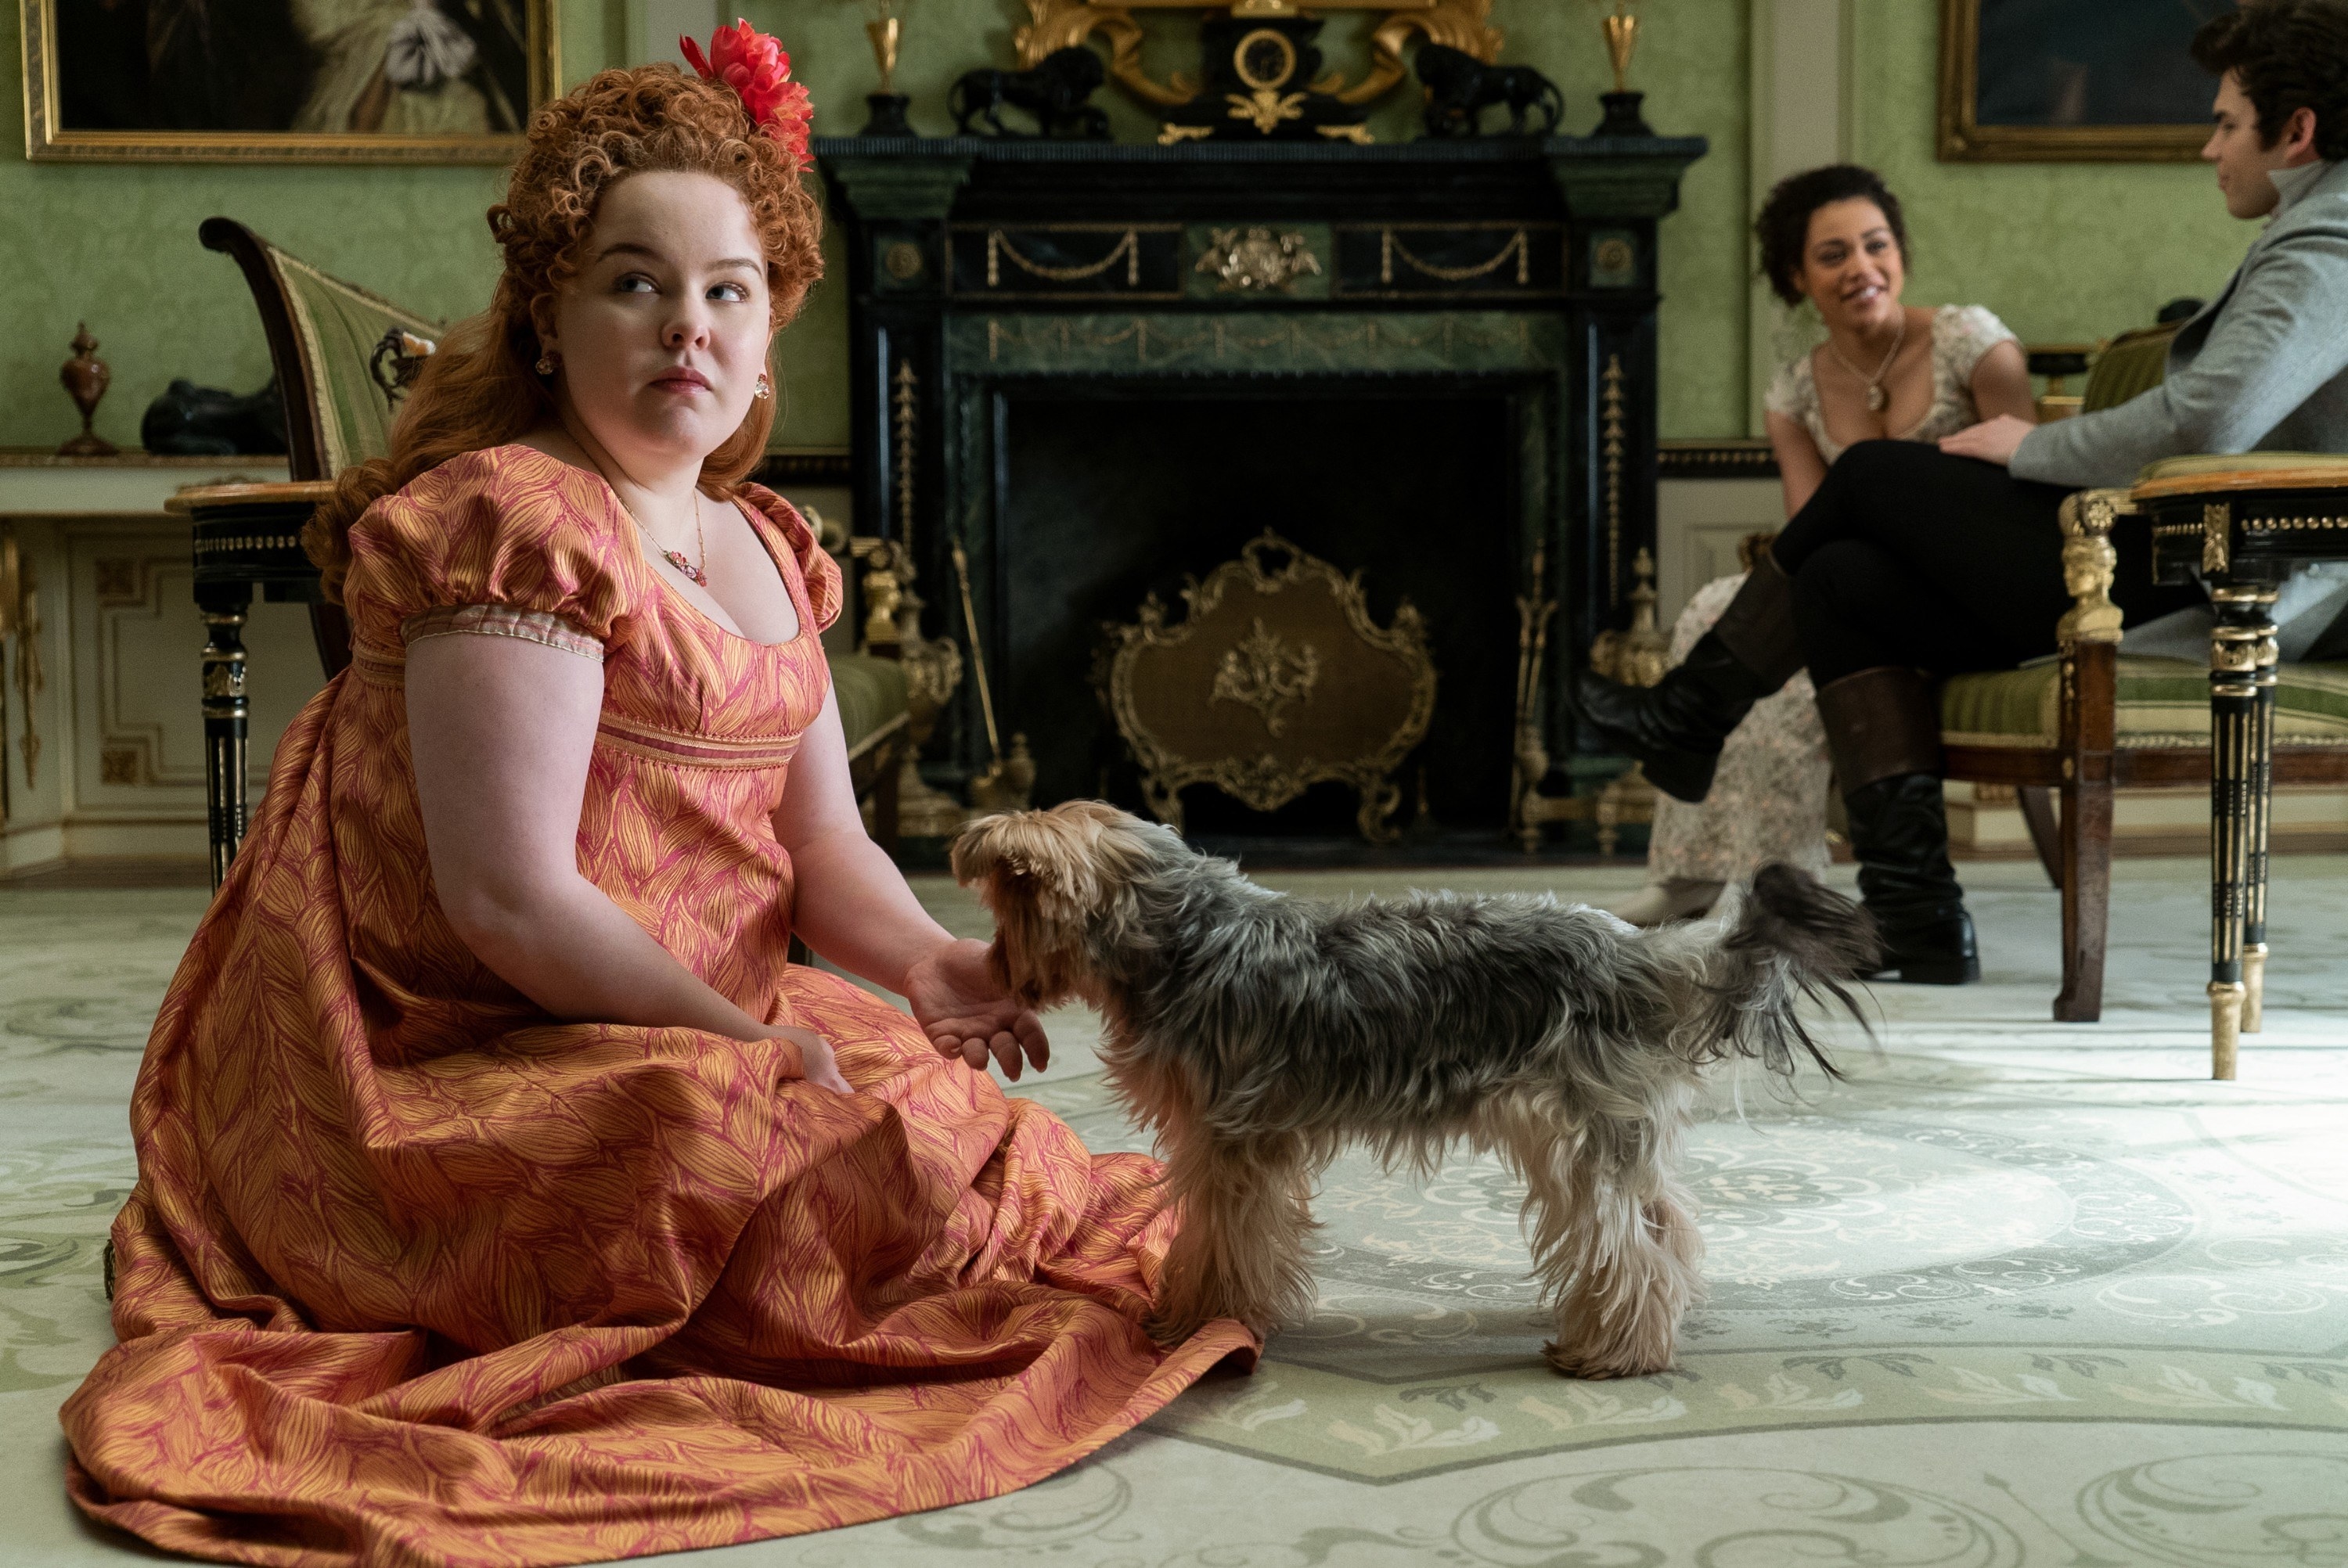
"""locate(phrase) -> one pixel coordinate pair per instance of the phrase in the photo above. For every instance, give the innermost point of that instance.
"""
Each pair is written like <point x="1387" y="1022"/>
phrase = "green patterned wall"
<point x="2061" y="252"/>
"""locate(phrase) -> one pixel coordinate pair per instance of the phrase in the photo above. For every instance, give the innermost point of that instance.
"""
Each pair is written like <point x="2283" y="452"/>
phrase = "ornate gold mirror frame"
<point x="1064" y="24"/>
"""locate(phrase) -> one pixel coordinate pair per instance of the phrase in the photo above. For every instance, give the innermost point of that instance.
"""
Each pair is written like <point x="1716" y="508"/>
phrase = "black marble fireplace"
<point x="1103" y="367"/>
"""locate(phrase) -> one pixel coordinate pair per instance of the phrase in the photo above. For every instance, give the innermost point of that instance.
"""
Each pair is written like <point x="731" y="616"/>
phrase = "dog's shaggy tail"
<point x="1793" y="940"/>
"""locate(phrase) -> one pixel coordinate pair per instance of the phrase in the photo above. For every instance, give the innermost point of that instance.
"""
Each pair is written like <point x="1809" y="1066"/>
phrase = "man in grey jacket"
<point x="1909" y="565"/>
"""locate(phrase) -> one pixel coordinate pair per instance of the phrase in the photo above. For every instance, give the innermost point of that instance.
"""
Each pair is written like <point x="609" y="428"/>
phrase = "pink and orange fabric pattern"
<point x="413" y="1274"/>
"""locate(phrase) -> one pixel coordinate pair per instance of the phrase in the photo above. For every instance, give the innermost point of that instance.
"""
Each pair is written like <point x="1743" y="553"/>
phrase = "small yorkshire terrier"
<point x="1256" y="1034"/>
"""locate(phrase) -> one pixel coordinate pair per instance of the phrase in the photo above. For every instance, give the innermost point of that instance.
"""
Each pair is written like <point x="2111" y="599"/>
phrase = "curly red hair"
<point x="481" y="389"/>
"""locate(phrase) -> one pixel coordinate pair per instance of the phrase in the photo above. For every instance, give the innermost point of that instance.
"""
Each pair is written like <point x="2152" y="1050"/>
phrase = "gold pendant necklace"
<point x="1877" y="398"/>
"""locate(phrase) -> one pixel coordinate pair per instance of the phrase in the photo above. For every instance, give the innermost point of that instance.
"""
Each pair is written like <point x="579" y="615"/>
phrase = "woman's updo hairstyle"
<point x="1784" y="226"/>
<point x="483" y="389"/>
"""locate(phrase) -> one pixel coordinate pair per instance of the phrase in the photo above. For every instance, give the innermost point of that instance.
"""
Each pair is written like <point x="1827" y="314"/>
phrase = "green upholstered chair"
<point x="345" y="359"/>
<point x="2093" y="718"/>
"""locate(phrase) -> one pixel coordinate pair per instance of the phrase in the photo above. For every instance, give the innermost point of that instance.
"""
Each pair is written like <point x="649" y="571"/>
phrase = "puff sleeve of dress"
<point x="504" y="542"/>
<point x="820" y="574"/>
<point x="1791" y="393"/>
<point x="1964" y="333"/>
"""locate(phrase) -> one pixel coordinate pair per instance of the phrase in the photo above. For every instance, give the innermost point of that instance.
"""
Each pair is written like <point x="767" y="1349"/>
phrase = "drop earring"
<point x="762" y="389"/>
<point x="547" y="363"/>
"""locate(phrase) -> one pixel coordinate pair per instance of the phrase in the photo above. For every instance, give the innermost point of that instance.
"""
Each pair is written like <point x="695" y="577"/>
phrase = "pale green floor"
<point x="2020" y="1294"/>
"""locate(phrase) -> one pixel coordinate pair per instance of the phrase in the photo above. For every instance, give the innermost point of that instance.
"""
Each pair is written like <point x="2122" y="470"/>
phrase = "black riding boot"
<point x="1883" y="729"/>
<point x="1676" y="726"/>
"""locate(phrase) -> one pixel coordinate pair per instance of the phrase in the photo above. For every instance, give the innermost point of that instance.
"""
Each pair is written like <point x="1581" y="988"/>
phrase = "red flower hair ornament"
<point x="756" y="68"/>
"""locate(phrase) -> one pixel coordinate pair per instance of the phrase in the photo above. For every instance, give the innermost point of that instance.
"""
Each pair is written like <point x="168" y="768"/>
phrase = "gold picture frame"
<point x="50" y="139"/>
<point x="1962" y="138"/>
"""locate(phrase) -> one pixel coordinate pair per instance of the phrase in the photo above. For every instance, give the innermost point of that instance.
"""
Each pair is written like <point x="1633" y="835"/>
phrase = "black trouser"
<point x="1907" y="556"/>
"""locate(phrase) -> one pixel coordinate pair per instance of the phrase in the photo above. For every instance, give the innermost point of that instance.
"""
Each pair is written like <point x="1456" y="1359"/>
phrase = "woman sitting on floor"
<point x="1835" y="236"/>
<point x="504" y="1193"/>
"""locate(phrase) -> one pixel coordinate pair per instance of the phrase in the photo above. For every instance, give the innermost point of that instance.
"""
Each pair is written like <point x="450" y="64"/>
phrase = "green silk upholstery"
<point x="872" y="693"/>
<point x="2162" y="702"/>
<point x="2130" y="364"/>
<point x="339" y="326"/>
<point x="2238" y="462"/>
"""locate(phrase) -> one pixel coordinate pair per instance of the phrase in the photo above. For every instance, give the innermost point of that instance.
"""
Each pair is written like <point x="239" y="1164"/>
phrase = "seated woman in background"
<point x="504" y="1194"/>
<point x="1835" y="236"/>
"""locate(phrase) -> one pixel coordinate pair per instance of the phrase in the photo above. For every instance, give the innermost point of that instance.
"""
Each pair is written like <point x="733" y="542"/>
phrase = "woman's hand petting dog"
<point x="961" y="1004"/>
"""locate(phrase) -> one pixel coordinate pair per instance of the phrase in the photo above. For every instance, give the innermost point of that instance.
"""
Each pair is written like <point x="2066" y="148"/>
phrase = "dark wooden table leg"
<point x="2254" y="908"/>
<point x="2241" y="625"/>
<point x="226" y="717"/>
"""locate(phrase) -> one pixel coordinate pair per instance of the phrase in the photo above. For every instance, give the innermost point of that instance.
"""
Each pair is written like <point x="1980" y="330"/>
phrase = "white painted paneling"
<point x="138" y="746"/>
<point x="122" y="761"/>
<point x="1698" y="523"/>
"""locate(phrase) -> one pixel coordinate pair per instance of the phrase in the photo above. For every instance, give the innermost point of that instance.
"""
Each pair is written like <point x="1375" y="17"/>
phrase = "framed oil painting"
<point x="285" y="81"/>
<point x="2060" y="81"/>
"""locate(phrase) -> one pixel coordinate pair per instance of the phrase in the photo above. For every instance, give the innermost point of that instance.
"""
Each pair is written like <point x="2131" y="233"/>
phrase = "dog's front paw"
<point x="1599" y="1362"/>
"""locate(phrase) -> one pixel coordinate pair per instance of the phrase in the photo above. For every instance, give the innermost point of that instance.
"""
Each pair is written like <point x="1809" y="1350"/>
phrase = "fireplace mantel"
<point x="1512" y="268"/>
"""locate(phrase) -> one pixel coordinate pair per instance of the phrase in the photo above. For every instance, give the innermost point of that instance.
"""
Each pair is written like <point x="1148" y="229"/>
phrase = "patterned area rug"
<point x="2017" y="1294"/>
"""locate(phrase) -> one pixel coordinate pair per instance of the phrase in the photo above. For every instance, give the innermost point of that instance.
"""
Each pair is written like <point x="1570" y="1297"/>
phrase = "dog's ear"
<point x="1072" y="858"/>
<point x="977" y="849"/>
<point x="1008" y="845"/>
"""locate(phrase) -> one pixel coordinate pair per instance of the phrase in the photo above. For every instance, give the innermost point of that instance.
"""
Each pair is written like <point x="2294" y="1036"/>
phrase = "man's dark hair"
<point x="1784" y="226"/>
<point x="2287" y="56"/>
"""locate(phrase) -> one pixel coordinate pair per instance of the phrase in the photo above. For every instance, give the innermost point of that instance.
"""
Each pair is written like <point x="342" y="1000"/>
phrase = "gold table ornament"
<point x="1622" y="41"/>
<point x="1276" y="678"/>
<point x="1462" y="25"/>
<point x="887" y="31"/>
<point x="86" y="377"/>
<point x="1623" y="116"/>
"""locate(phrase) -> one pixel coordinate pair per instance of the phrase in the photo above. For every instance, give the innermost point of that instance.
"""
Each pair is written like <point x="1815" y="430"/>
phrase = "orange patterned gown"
<point x="413" y="1274"/>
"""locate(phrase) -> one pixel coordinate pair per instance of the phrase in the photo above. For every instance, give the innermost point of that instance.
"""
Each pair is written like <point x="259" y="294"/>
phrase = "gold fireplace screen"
<point x="1276" y="680"/>
<point x="1062" y="23"/>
